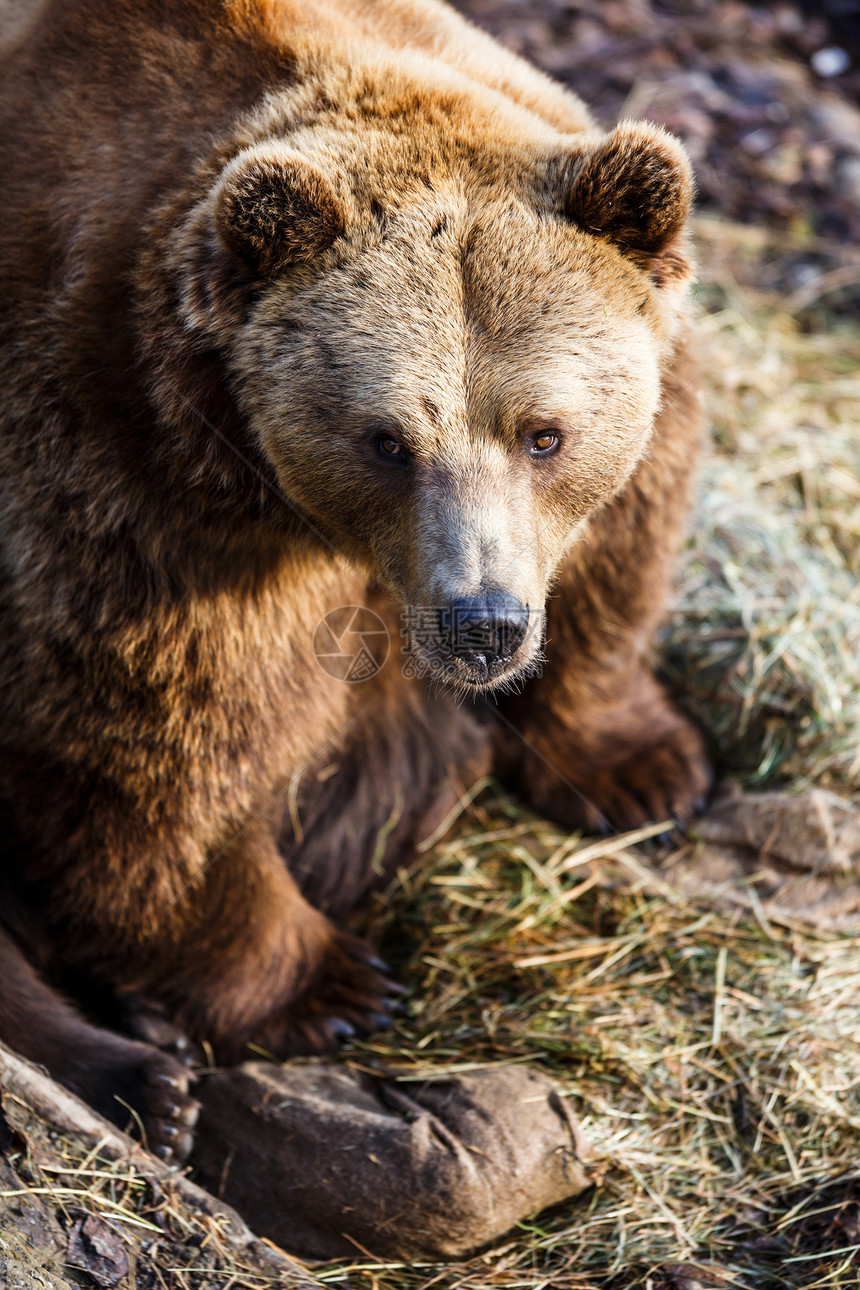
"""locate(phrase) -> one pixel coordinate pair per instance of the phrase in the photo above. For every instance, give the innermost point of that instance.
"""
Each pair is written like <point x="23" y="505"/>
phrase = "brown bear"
<point x="308" y="306"/>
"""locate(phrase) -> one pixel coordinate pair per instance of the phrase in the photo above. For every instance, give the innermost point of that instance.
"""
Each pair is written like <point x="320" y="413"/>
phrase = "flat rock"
<point x="793" y="858"/>
<point x="329" y="1162"/>
<point x="814" y="831"/>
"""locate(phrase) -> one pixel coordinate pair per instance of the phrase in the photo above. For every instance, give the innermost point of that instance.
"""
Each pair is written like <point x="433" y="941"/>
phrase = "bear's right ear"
<point x="274" y="207"/>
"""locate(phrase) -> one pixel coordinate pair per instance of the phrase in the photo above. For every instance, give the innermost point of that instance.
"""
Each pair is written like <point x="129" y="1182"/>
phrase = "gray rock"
<point x="328" y="1163"/>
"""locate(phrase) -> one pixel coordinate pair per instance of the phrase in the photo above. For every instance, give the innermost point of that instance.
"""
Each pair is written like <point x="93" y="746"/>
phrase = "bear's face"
<point x="450" y="382"/>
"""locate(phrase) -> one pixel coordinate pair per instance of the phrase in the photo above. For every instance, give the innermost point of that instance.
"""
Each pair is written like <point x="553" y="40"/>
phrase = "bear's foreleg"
<point x="595" y="742"/>
<point x="258" y="967"/>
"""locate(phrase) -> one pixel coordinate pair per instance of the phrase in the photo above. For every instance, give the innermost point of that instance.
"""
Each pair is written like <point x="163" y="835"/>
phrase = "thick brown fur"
<point x="245" y="247"/>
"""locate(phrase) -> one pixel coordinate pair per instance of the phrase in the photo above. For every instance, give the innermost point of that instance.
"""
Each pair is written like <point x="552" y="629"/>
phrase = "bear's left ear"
<point x="275" y="207"/>
<point x="636" y="190"/>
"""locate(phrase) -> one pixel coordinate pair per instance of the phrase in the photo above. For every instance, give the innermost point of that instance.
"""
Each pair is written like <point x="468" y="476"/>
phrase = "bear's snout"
<point x="484" y="633"/>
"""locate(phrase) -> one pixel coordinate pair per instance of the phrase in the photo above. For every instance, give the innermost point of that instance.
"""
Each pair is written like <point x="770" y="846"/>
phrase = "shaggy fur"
<point x="292" y="295"/>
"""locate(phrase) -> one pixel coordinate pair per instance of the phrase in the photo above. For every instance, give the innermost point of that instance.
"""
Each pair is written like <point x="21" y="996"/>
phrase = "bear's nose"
<point x="486" y="631"/>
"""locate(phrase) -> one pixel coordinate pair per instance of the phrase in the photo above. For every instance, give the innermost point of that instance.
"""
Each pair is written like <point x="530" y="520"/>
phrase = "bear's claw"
<point x="664" y="778"/>
<point x="350" y="994"/>
<point x="669" y="780"/>
<point x="149" y="1022"/>
<point x="168" y="1112"/>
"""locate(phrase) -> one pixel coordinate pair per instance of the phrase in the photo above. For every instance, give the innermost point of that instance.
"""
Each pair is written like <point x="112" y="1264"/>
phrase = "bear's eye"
<point x="390" y="447"/>
<point x="544" y="444"/>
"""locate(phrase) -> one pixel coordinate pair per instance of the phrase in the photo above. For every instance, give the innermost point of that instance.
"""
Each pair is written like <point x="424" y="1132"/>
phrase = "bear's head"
<point x="447" y="339"/>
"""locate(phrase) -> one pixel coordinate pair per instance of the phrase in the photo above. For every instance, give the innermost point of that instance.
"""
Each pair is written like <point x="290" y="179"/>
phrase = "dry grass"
<point x="715" y="1063"/>
<point x="766" y="637"/>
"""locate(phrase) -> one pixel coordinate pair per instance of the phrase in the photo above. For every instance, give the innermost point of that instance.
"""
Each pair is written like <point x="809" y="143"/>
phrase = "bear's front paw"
<point x="143" y="1091"/>
<point x="665" y="777"/>
<point x="669" y="780"/>
<point x="350" y="993"/>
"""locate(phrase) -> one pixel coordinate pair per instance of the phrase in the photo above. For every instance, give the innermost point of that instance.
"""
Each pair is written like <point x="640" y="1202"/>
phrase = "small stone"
<point x="830" y="61"/>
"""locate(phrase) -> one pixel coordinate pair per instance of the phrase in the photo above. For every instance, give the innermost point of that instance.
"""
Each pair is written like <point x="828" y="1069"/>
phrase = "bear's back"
<point x="233" y="50"/>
